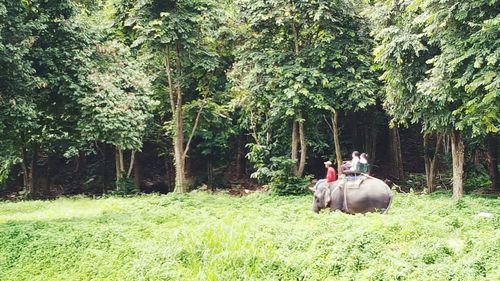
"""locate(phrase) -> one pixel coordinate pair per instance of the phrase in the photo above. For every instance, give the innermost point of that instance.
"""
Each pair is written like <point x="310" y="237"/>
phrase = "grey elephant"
<point x="359" y="195"/>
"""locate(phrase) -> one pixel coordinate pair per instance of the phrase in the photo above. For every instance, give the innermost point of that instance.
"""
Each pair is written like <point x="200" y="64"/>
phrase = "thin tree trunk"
<point x="180" y="176"/>
<point x="370" y="144"/>
<point x="295" y="143"/>
<point x="336" y="141"/>
<point x="169" y="171"/>
<point x="457" y="150"/>
<point x="25" y="169"/>
<point x="446" y="144"/>
<point x="303" y="147"/>
<point x="373" y="147"/>
<point x="298" y="127"/>
<point x="122" y="164"/>
<point x="210" y="173"/>
<point x="476" y="157"/>
<point x="132" y="162"/>
<point x="103" y="169"/>
<point x="137" y="172"/>
<point x="396" y="157"/>
<point x="240" y="157"/>
<point x="430" y="159"/>
<point x="492" y="159"/>
<point x="33" y="172"/>
<point x="117" y="167"/>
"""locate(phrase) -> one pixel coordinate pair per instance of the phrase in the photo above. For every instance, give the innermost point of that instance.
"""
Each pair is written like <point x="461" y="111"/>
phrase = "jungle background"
<point x="121" y="96"/>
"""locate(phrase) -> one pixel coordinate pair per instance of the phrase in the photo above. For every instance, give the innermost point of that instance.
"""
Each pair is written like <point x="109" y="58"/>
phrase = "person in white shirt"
<point x="363" y="158"/>
<point x="354" y="161"/>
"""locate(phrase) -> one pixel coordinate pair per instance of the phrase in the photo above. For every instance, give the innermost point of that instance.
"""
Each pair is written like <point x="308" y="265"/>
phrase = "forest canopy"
<point x="126" y="96"/>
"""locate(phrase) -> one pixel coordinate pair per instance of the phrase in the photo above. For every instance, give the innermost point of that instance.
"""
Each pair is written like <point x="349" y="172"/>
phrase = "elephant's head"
<point x="322" y="198"/>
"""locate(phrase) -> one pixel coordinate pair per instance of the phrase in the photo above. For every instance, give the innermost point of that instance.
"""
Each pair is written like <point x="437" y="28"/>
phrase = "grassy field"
<point x="259" y="237"/>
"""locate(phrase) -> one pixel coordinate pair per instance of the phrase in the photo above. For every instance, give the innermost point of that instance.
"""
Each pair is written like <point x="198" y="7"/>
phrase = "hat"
<point x="328" y="162"/>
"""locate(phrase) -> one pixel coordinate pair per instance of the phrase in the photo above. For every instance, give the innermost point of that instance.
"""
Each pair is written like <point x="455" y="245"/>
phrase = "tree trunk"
<point x="137" y="172"/>
<point x="104" y="170"/>
<point x="169" y="172"/>
<point x="492" y="159"/>
<point x="210" y="173"/>
<point x="295" y="143"/>
<point x="180" y="177"/>
<point x="176" y="108"/>
<point x="131" y="164"/>
<point x="122" y="164"/>
<point x="370" y="145"/>
<point x="372" y="151"/>
<point x="118" y="166"/>
<point x="180" y="160"/>
<point x="303" y="147"/>
<point x="396" y="157"/>
<point x="336" y="141"/>
<point x="446" y="144"/>
<point x="240" y="157"/>
<point x="430" y="159"/>
<point x="457" y="150"/>
<point x="298" y="126"/>
<point x="33" y="172"/>
<point x="25" y="170"/>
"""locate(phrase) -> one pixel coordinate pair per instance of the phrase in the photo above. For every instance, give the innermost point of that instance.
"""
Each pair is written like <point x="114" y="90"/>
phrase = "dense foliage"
<point x="217" y="237"/>
<point x="170" y="95"/>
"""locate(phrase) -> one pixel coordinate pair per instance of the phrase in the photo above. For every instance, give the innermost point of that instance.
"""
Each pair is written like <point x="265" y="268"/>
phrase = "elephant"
<point x="361" y="195"/>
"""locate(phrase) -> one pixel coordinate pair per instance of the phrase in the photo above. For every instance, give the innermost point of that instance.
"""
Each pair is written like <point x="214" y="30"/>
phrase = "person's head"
<point x="364" y="156"/>
<point x="355" y="154"/>
<point x="328" y="163"/>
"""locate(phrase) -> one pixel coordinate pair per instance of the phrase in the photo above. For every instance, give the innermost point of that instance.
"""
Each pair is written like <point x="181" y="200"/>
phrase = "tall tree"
<point x="44" y="48"/>
<point x="300" y="58"/>
<point x="120" y="104"/>
<point x="431" y="52"/>
<point x="178" y="33"/>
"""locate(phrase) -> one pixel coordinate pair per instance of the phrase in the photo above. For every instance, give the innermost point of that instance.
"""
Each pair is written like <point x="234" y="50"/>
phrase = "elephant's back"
<point x="371" y="193"/>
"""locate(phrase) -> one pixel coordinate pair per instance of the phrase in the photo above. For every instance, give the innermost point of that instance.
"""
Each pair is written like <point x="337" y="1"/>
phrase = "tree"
<point x="42" y="49"/>
<point x="120" y="105"/>
<point x="431" y="52"/>
<point x="299" y="59"/>
<point x="179" y="33"/>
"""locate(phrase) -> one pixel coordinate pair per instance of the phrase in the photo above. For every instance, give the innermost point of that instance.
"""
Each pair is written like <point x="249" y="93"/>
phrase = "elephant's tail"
<point x="390" y="200"/>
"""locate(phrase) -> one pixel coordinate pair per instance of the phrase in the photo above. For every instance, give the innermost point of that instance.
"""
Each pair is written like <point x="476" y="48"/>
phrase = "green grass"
<point x="258" y="237"/>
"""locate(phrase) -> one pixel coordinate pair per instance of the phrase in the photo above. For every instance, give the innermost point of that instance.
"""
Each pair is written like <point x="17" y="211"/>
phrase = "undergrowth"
<point x="258" y="237"/>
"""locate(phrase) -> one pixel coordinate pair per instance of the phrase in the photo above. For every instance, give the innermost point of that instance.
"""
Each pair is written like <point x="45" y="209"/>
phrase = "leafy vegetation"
<point x="171" y="95"/>
<point x="217" y="237"/>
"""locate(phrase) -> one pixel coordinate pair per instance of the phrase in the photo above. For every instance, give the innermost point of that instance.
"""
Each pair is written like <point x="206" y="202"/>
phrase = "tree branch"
<point x="132" y="159"/>
<point x="194" y="128"/>
<point x="328" y="123"/>
<point x="169" y="79"/>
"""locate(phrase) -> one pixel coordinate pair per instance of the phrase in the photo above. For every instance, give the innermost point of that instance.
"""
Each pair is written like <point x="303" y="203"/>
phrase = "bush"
<point x="476" y="177"/>
<point x="126" y="187"/>
<point x="281" y="179"/>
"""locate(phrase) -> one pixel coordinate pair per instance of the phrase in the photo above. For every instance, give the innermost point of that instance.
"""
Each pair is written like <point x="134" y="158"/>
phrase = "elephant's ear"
<point x="328" y="197"/>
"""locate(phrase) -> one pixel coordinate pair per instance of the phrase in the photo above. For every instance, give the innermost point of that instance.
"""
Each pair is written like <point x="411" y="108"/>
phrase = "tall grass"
<point x="258" y="237"/>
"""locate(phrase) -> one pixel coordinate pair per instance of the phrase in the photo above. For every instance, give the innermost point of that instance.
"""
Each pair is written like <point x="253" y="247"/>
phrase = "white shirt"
<point x="354" y="163"/>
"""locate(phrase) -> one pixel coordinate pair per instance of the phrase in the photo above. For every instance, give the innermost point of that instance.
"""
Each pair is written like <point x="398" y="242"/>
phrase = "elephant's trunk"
<point x="315" y="209"/>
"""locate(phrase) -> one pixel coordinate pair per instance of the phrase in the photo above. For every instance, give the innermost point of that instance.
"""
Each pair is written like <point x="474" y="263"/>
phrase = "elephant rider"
<point x="351" y="166"/>
<point x="331" y="174"/>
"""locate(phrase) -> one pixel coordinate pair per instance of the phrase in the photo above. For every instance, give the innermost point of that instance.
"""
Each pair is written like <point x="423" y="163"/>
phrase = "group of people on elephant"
<point x="358" y="164"/>
<point x="352" y="193"/>
<point x="356" y="192"/>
